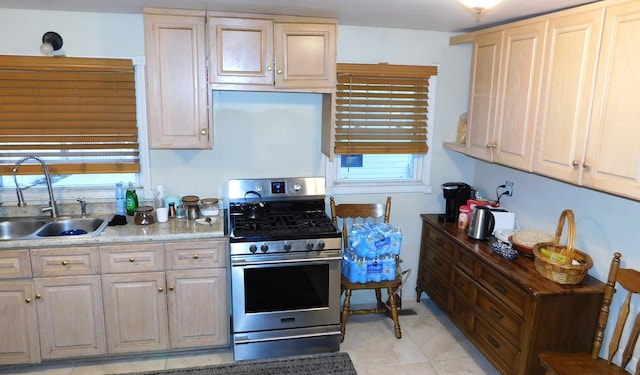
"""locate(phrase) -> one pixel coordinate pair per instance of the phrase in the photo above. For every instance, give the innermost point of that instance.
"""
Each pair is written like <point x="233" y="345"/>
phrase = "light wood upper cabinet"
<point x="484" y="91"/>
<point x="612" y="161"/>
<point x="272" y="54"/>
<point x="177" y="92"/>
<point x="568" y="82"/>
<point x="522" y="53"/>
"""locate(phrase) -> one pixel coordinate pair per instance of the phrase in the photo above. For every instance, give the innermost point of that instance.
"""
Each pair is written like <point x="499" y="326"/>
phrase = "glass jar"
<point x="144" y="215"/>
<point x="209" y="207"/>
<point x="463" y="217"/>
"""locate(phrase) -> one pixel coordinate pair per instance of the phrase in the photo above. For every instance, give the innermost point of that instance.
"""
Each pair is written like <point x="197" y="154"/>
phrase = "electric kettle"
<point x="482" y="223"/>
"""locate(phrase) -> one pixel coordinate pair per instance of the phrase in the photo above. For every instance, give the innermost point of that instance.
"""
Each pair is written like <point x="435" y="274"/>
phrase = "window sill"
<point x="378" y="187"/>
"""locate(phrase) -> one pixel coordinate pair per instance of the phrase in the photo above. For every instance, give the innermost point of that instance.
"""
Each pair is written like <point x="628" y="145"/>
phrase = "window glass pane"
<point x="71" y="180"/>
<point x="378" y="167"/>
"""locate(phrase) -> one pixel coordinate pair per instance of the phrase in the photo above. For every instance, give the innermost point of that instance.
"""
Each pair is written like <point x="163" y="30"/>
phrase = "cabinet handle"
<point x="437" y="262"/>
<point x="279" y="71"/>
<point x="38" y="296"/>
<point x="171" y="288"/>
<point x="203" y="131"/>
<point x="131" y="260"/>
<point x="493" y="341"/>
<point x="586" y="165"/>
<point x="501" y="288"/>
<point x="575" y="163"/>
<point x="27" y="300"/>
<point x="269" y="68"/>
<point x="488" y="145"/>
<point x="64" y="262"/>
<point x="195" y="256"/>
<point x="497" y="313"/>
<point x="161" y="289"/>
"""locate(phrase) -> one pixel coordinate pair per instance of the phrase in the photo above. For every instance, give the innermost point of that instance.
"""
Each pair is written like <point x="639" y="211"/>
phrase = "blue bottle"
<point x="120" y="203"/>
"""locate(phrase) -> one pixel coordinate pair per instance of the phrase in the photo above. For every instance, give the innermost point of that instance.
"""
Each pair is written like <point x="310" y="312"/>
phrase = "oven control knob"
<point x="320" y="245"/>
<point x="287" y="246"/>
<point x="253" y="248"/>
<point x="264" y="248"/>
<point x="297" y="186"/>
<point x="309" y="245"/>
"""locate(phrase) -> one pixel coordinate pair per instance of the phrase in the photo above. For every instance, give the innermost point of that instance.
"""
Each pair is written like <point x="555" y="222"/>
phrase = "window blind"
<point x="382" y="108"/>
<point x="78" y="114"/>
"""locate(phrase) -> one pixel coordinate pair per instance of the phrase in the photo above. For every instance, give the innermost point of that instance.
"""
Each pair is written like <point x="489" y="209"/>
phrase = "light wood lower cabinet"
<point x="19" y="323"/>
<point x="505" y="308"/>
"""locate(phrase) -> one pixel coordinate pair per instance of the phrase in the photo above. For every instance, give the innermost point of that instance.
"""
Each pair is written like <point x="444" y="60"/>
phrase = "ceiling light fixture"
<point x="479" y="6"/>
<point x="51" y="41"/>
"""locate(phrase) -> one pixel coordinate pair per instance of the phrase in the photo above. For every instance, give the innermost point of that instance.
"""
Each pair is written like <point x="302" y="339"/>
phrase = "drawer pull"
<point x="496" y="313"/>
<point x="27" y="300"/>
<point x="460" y="284"/>
<point x="437" y="262"/>
<point x="493" y="341"/>
<point x="195" y="256"/>
<point x="64" y="262"/>
<point x="171" y="288"/>
<point x="501" y="288"/>
<point x="38" y="296"/>
<point x="439" y="242"/>
<point x="161" y="289"/>
<point x="131" y="260"/>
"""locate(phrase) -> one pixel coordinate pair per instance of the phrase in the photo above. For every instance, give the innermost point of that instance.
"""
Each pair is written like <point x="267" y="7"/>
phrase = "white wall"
<point x="269" y="134"/>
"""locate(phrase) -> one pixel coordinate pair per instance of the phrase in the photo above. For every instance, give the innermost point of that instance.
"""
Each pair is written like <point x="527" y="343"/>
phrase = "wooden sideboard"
<point x="505" y="308"/>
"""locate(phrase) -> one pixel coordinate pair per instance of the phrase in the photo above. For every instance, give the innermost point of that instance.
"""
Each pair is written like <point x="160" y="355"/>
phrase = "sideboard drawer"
<point x="500" y="316"/>
<point x="500" y="350"/>
<point x="439" y="262"/>
<point x="504" y="289"/>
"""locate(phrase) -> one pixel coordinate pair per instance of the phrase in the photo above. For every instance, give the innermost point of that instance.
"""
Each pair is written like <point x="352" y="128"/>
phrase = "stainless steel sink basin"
<point x="72" y="227"/>
<point x="17" y="228"/>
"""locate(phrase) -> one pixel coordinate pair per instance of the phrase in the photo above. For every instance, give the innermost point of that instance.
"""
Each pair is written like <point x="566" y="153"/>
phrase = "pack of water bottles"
<point x="372" y="253"/>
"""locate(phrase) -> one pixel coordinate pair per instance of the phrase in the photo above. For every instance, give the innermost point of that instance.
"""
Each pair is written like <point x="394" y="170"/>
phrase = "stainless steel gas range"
<point x="285" y="268"/>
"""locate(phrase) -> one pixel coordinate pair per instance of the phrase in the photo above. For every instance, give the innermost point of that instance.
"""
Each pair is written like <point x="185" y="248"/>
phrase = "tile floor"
<point x="430" y="345"/>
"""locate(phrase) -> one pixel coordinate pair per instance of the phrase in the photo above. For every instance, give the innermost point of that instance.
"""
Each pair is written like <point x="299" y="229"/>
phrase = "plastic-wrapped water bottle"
<point x="120" y="203"/>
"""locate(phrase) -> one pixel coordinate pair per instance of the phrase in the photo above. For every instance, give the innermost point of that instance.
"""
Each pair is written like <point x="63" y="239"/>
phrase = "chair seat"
<point x="391" y="310"/>
<point x="577" y="363"/>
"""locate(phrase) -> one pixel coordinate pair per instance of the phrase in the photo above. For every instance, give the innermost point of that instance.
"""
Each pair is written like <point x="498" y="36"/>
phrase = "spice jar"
<point x="464" y="216"/>
<point x="190" y="203"/>
<point x="209" y="207"/>
<point x="144" y="215"/>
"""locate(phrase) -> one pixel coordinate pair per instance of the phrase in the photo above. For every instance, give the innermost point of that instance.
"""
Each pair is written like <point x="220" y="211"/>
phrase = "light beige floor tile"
<point x="119" y="366"/>
<point x="423" y="368"/>
<point x="201" y="359"/>
<point x="469" y="366"/>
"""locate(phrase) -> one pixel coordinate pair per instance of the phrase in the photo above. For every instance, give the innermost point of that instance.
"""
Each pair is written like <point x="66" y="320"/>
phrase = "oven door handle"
<point x="236" y="263"/>
<point x="240" y="341"/>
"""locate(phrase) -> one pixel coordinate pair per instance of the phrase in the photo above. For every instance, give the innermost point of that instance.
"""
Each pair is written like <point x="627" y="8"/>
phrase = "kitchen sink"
<point x="69" y="227"/>
<point x="17" y="228"/>
<point x="25" y="228"/>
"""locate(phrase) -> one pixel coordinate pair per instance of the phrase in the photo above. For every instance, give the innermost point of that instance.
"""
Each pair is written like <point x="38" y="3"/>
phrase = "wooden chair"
<point x="590" y="363"/>
<point x="349" y="213"/>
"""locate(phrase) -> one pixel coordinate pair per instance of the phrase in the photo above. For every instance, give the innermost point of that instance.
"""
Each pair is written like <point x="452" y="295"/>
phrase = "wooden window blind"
<point x="78" y="114"/>
<point x="382" y="108"/>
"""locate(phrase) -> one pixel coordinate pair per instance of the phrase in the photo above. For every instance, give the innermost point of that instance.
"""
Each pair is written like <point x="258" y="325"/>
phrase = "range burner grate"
<point x="283" y="224"/>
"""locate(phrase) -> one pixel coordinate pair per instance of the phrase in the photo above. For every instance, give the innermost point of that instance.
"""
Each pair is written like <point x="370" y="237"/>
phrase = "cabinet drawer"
<point x="14" y="264"/>
<point x="132" y="258"/>
<point x="501" y="317"/>
<point x="438" y="262"/>
<point x="65" y="261"/>
<point x="436" y="287"/>
<point x="504" y="289"/>
<point x="199" y="254"/>
<point x="463" y="286"/>
<point x="466" y="262"/>
<point x="461" y="312"/>
<point x="504" y="355"/>
<point x="442" y="242"/>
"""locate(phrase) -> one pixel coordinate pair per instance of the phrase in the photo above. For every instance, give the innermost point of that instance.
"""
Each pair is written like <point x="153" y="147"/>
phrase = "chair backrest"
<point x="629" y="279"/>
<point x="349" y="213"/>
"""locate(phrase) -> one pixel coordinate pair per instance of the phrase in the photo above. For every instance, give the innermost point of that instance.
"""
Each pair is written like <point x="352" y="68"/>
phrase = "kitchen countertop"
<point x="172" y="230"/>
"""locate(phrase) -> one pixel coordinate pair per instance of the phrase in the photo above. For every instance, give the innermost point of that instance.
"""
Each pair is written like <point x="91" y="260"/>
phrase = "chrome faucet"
<point x="53" y="208"/>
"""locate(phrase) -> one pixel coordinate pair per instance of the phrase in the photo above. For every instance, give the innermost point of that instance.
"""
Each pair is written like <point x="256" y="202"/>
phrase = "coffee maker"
<point x="455" y="194"/>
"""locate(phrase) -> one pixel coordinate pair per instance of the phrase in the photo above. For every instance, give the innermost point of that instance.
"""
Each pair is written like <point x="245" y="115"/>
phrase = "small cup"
<point x="163" y="214"/>
<point x="181" y="212"/>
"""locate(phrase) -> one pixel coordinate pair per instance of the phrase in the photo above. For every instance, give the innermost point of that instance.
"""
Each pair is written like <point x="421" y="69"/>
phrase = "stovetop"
<point x="283" y="225"/>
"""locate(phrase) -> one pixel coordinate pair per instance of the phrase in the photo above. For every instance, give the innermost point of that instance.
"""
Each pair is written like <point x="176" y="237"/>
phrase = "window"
<point x="382" y="121"/>
<point x="78" y="114"/>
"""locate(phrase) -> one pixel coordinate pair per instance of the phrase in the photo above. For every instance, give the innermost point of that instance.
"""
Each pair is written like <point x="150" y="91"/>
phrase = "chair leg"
<point x="380" y="305"/>
<point x="345" y="313"/>
<point x="394" y="313"/>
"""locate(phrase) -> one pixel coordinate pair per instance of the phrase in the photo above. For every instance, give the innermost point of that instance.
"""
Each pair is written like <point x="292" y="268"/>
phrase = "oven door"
<point x="276" y="292"/>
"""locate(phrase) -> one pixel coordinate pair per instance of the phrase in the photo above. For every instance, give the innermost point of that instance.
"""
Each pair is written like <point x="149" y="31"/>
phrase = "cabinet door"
<point x="518" y="94"/>
<point x="198" y="308"/>
<point x="305" y="55"/>
<point x="484" y="92"/>
<point x="176" y="82"/>
<point x="613" y="147"/>
<point x="135" y="307"/>
<point x="568" y="81"/>
<point x="241" y="51"/>
<point x="70" y="316"/>
<point x="19" y="323"/>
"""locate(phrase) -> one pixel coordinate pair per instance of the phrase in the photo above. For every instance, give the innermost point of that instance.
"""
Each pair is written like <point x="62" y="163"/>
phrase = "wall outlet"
<point x="508" y="190"/>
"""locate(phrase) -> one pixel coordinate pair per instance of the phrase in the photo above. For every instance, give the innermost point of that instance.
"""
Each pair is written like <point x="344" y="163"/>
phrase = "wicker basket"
<point x="563" y="264"/>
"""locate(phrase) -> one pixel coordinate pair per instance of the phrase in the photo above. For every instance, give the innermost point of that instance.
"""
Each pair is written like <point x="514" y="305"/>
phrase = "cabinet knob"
<point x="27" y="300"/>
<point x="269" y="68"/>
<point x="203" y="131"/>
<point x="195" y="256"/>
<point x="38" y="296"/>
<point x="131" y="260"/>
<point x="279" y="71"/>
<point x="575" y="163"/>
<point x="171" y="288"/>
<point x="161" y="289"/>
<point x="586" y="165"/>
<point x="64" y="262"/>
